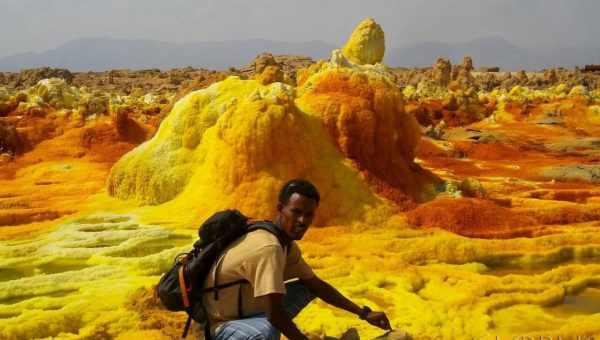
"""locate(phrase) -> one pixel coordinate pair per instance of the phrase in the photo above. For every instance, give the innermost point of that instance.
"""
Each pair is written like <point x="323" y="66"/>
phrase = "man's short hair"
<point x="300" y="186"/>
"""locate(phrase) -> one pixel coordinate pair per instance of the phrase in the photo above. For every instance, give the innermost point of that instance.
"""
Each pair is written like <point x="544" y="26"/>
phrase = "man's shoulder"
<point x="261" y="237"/>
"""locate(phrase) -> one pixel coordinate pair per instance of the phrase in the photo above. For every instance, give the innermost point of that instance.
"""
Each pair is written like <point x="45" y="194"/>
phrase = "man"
<point x="265" y="307"/>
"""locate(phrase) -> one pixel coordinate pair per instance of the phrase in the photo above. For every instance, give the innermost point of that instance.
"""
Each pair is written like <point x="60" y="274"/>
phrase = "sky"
<point x="38" y="25"/>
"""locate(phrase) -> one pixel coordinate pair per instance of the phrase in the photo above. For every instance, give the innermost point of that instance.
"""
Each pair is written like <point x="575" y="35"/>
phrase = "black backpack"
<point x="181" y="288"/>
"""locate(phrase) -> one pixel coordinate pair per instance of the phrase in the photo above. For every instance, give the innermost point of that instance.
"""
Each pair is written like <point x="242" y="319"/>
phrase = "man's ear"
<point x="279" y="206"/>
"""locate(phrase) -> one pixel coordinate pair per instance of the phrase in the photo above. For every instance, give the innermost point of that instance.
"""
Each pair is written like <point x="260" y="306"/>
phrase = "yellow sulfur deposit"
<point x="366" y="45"/>
<point x="234" y="144"/>
<point x="55" y="92"/>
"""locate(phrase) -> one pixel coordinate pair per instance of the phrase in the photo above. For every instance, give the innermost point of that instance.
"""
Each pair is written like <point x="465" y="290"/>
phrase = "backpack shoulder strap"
<point x="269" y="226"/>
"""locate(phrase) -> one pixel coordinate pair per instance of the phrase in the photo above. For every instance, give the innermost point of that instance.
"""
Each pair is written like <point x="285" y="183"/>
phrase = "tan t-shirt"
<point x="259" y="258"/>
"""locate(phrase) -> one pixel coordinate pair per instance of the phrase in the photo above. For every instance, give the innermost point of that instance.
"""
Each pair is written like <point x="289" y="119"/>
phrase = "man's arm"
<point x="329" y="294"/>
<point x="332" y="296"/>
<point x="278" y="318"/>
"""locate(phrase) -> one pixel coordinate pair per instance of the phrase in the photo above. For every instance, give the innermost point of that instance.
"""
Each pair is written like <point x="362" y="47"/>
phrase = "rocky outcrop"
<point x="467" y="64"/>
<point x="573" y="173"/>
<point x="591" y="68"/>
<point x="270" y="74"/>
<point x="288" y="64"/>
<point x="94" y="103"/>
<point x="10" y="142"/>
<point x="490" y="78"/>
<point x="442" y="72"/>
<point x="262" y="61"/>
<point x="465" y="80"/>
<point x="9" y="102"/>
<point x="366" y="45"/>
<point x="27" y="78"/>
<point x="54" y="92"/>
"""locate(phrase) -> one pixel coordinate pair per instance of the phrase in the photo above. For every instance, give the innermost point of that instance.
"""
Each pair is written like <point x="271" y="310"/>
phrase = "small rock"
<point x="550" y="121"/>
<point x="394" y="335"/>
<point x="570" y="173"/>
<point x="471" y="187"/>
<point x="436" y="132"/>
<point x="350" y="334"/>
<point x="10" y="142"/>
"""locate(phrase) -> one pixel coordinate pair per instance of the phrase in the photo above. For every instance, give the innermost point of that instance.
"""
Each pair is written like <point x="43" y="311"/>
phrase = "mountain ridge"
<point x="102" y="53"/>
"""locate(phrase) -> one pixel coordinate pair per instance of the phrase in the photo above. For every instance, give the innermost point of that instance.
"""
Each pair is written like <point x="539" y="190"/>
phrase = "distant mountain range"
<point x="100" y="54"/>
<point x="496" y="51"/>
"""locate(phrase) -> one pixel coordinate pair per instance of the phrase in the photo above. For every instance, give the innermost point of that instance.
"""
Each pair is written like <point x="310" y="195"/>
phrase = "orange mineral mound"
<point x="471" y="217"/>
<point x="365" y="118"/>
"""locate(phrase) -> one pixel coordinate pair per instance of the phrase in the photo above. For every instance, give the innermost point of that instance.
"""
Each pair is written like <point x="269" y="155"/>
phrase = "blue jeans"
<point x="258" y="327"/>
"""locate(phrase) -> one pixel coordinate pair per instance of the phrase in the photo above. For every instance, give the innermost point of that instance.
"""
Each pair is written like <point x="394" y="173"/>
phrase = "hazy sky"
<point x="36" y="25"/>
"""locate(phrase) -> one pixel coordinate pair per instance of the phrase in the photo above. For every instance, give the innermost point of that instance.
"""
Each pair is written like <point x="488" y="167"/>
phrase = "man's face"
<point x="297" y="215"/>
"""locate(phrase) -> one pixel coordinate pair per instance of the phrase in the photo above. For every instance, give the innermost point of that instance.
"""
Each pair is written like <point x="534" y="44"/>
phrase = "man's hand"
<point x="333" y="297"/>
<point x="378" y="319"/>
